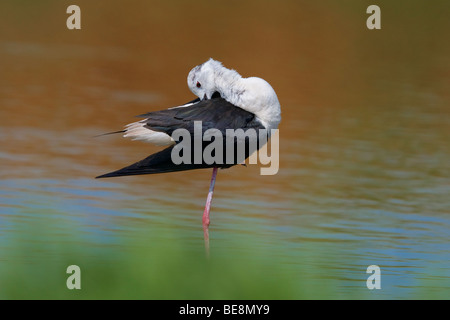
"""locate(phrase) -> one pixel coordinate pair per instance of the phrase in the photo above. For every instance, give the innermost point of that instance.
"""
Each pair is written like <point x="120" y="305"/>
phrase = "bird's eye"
<point x="198" y="84"/>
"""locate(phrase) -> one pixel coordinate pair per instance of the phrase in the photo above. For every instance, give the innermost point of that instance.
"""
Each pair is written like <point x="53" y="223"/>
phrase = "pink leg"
<point x="208" y="200"/>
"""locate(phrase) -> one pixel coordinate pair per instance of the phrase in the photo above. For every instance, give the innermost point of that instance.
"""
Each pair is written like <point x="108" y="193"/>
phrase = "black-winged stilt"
<point x="225" y="101"/>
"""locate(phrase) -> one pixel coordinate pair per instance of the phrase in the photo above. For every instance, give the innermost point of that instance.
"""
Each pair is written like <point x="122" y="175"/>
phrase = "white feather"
<point x="139" y="131"/>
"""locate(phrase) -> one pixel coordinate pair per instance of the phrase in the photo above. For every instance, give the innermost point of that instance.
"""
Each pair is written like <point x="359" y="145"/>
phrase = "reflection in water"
<point x="364" y="139"/>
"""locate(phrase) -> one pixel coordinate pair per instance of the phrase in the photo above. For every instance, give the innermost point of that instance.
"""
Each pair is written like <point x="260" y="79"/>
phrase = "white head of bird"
<point x="201" y="79"/>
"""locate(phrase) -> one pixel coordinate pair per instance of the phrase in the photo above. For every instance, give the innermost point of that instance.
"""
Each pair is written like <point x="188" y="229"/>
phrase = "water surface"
<point x="364" y="140"/>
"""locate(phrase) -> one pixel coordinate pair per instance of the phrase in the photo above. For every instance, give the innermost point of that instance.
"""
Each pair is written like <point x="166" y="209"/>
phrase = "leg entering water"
<point x="206" y="236"/>
<point x="206" y="212"/>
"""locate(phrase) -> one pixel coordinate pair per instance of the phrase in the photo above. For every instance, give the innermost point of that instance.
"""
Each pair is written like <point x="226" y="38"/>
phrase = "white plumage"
<point x="252" y="94"/>
<point x="139" y="131"/>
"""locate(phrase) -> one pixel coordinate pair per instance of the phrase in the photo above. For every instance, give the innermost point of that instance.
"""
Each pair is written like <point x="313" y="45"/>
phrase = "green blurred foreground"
<point x="161" y="265"/>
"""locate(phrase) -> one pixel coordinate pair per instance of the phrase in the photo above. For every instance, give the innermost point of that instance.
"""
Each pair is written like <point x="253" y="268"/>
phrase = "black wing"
<point x="214" y="113"/>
